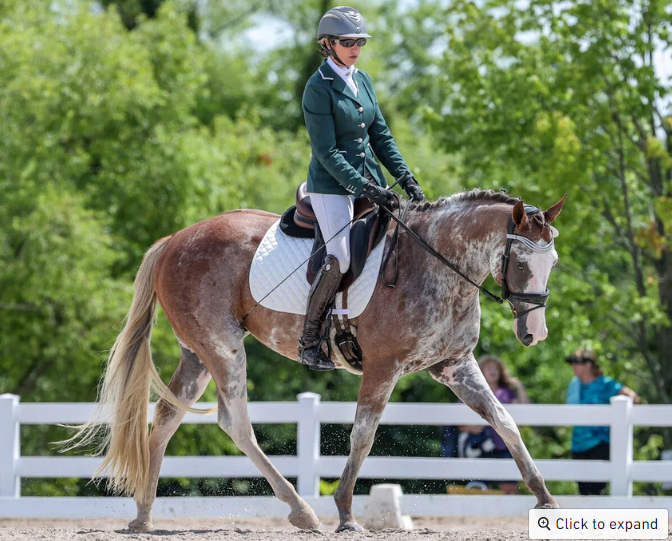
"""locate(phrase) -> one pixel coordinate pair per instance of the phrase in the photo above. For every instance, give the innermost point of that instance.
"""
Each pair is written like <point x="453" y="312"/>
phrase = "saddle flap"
<point x="276" y="284"/>
<point x="365" y="234"/>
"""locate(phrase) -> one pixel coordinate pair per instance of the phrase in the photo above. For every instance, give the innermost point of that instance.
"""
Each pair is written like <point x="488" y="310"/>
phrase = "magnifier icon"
<point x="543" y="523"/>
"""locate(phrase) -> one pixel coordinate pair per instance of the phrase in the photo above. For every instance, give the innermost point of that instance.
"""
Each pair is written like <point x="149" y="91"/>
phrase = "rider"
<point x="346" y="128"/>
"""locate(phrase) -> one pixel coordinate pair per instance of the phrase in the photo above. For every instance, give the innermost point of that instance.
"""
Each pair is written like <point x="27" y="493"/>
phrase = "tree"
<point x="555" y="97"/>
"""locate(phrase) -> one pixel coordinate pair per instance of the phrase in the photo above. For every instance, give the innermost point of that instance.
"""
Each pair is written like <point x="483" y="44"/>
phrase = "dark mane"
<point x="473" y="195"/>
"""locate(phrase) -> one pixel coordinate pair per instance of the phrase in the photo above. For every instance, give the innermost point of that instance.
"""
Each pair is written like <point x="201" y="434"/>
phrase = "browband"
<point x="531" y="244"/>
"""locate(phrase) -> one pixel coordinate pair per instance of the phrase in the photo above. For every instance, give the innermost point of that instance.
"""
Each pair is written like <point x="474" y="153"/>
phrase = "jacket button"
<point x="361" y="109"/>
<point x="360" y="140"/>
<point x="362" y="154"/>
<point x="362" y="125"/>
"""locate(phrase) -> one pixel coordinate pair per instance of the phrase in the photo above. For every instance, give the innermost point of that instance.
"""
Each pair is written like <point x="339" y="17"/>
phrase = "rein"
<point x="539" y="299"/>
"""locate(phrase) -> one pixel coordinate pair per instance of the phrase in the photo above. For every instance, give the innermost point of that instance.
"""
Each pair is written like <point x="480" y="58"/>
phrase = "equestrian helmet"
<point x="342" y="22"/>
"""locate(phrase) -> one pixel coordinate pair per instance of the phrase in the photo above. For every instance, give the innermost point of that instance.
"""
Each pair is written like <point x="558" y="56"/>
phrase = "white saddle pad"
<point x="278" y="255"/>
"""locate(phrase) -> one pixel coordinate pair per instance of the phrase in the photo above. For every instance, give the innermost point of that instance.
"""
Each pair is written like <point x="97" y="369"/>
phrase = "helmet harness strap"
<point x="330" y="50"/>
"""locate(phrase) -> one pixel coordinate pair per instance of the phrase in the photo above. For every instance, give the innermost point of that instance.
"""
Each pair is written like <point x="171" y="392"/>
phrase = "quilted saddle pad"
<point x="278" y="255"/>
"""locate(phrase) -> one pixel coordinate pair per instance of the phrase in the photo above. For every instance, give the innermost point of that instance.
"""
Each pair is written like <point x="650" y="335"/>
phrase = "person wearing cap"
<point x="591" y="386"/>
<point x="347" y="133"/>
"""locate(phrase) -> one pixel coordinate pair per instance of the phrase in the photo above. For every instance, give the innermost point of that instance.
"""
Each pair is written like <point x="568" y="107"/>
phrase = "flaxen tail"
<point x="125" y="392"/>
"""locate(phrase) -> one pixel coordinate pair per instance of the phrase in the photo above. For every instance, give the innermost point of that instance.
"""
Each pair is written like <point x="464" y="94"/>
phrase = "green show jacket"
<point x="347" y="133"/>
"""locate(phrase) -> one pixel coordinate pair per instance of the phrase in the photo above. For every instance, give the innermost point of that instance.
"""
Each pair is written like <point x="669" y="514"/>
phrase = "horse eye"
<point x="521" y="267"/>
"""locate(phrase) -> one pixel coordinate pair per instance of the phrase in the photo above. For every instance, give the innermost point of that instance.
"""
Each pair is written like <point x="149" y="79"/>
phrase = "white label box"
<point x="598" y="523"/>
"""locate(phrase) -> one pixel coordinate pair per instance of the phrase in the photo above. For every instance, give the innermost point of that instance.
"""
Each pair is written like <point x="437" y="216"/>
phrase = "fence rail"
<point x="308" y="466"/>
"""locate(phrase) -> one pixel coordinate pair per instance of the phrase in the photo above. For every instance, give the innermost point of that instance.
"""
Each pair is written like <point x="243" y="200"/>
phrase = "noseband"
<point x="538" y="299"/>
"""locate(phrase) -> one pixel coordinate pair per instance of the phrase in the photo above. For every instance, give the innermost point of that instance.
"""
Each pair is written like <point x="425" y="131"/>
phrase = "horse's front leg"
<point x="377" y="385"/>
<point x="468" y="383"/>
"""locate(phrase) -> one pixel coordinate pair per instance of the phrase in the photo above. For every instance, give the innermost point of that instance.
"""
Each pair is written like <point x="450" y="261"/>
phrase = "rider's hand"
<point x="378" y="195"/>
<point x="414" y="191"/>
<point x="411" y="187"/>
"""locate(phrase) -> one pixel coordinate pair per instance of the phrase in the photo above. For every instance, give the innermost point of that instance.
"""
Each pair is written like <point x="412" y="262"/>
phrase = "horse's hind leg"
<point x="468" y="383"/>
<point x="188" y="383"/>
<point x="227" y="363"/>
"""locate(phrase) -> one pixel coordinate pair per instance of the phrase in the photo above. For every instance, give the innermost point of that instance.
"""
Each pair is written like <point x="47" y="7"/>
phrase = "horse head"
<point x="525" y="267"/>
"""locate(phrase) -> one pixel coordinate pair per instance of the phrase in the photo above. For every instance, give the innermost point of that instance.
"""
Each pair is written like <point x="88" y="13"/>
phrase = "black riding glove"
<point x="414" y="191"/>
<point x="378" y="195"/>
<point x="411" y="187"/>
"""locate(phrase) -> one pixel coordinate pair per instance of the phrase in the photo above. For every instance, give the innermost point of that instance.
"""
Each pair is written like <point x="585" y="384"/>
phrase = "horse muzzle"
<point x="531" y="331"/>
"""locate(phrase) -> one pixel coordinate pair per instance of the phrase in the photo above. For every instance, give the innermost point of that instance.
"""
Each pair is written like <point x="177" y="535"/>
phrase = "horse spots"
<point x="164" y="412"/>
<point x="223" y="417"/>
<point x="191" y="390"/>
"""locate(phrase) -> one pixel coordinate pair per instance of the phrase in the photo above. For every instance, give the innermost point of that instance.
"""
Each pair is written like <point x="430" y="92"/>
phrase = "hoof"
<point x="349" y="527"/>
<point x="304" y="519"/>
<point x="138" y="525"/>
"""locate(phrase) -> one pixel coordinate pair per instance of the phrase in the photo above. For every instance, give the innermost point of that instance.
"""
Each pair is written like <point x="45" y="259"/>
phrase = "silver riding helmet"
<point x="342" y="22"/>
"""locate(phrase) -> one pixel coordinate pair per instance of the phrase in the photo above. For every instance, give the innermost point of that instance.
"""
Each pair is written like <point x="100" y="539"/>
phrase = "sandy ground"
<point x="261" y="529"/>
<point x="257" y="529"/>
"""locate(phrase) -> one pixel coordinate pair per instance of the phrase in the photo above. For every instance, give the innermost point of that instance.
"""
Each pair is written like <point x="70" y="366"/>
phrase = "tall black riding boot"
<point x="320" y="297"/>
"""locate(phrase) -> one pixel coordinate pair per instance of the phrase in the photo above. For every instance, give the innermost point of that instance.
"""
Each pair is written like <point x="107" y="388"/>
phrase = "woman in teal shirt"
<point x="347" y="133"/>
<point x="591" y="386"/>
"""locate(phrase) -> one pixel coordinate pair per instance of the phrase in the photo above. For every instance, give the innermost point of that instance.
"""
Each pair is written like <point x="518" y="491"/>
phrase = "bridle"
<point x="538" y="299"/>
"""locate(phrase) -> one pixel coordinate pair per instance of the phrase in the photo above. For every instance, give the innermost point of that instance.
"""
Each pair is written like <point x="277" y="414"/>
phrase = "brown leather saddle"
<point x="367" y="230"/>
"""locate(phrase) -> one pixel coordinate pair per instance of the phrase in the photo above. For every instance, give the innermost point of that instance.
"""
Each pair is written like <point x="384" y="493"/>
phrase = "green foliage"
<point x="124" y="124"/>
<point x="551" y="99"/>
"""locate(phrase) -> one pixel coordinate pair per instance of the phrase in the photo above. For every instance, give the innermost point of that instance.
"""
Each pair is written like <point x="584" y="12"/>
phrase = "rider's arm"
<point x="321" y="129"/>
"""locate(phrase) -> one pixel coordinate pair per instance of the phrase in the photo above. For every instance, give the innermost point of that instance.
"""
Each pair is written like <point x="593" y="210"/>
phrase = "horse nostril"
<point x="527" y="339"/>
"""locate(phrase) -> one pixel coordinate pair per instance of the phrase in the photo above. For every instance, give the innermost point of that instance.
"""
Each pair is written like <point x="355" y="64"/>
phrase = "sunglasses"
<point x="347" y="43"/>
<point x="573" y="359"/>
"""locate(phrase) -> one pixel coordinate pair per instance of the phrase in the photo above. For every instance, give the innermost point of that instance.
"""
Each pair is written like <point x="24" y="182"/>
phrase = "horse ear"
<point x="519" y="216"/>
<point x="552" y="213"/>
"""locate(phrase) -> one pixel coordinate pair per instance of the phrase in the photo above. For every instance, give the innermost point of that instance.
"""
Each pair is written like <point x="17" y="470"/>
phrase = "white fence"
<point x="308" y="466"/>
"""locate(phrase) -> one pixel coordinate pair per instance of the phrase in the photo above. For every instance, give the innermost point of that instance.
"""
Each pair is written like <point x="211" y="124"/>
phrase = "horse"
<point x="429" y="321"/>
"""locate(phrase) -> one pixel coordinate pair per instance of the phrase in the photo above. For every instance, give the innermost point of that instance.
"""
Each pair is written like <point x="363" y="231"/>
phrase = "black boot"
<point x="320" y="297"/>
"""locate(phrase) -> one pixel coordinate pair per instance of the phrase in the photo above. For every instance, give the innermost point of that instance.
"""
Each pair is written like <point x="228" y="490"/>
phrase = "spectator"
<point x="591" y="386"/>
<point x="484" y="442"/>
<point x="508" y="390"/>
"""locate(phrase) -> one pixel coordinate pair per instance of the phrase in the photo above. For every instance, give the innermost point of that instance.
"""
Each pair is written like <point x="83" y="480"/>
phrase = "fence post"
<point x="10" y="446"/>
<point x="621" y="445"/>
<point x="308" y="445"/>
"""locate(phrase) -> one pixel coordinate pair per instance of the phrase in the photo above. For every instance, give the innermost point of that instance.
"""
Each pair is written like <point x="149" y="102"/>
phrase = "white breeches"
<point x="333" y="212"/>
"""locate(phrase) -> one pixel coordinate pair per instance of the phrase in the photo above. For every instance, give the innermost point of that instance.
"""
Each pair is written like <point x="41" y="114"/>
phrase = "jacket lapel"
<point x="338" y="84"/>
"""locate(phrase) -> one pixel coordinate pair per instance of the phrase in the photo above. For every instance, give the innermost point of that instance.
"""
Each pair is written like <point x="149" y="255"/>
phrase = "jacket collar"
<point x="338" y="84"/>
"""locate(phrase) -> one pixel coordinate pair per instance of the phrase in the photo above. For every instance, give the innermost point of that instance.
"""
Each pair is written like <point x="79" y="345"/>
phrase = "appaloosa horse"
<point x="430" y="320"/>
